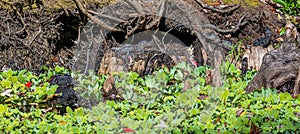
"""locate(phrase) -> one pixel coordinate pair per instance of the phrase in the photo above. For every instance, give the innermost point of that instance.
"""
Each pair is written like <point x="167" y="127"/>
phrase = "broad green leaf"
<point x="133" y="75"/>
<point x="280" y="2"/>
<point x="6" y="83"/>
<point x="69" y="110"/>
<point x="224" y="96"/>
<point x="236" y="98"/>
<point x="150" y="82"/>
<point x="79" y="112"/>
<point x="285" y="96"/>
<point x="59" y="69"/>
<point x="38" y="113"/>
<point x="168" y="98"/>
<point x="179" y="75"/>
<point x="41" y="91"/>
<point x="129" y="123"/>
<point x="282" y="31"/>
<point x="51" y="90"/>
<point x="13" y="79"/>
<point x="3" y="108"/>
<point x="8" y="73"/>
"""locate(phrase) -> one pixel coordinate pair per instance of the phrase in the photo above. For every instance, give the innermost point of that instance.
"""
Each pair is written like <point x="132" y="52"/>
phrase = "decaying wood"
<point x="297" y="84"/>
<point x="290" y="36"/>
<point x="109" y="64"/>
<point x="278" y="69"/>
<point x="139" y="23"/>
<point x="109" y="90"/>
<point x="216" y="71"/>
<point x="139" y="66"/>
<point x="255" y="56"/>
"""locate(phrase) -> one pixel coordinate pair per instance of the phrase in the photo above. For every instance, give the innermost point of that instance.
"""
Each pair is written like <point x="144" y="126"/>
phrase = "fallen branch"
<point x="157" y="42"/>
<point x="97" y="21"/>
<point x="35" y="36"/>
<point x="205" y="6"/>
<point x="22" y="21"/>
<point x="106" y="16"/>
<point x="226" y="31"/>
<point x="8" y="29"/>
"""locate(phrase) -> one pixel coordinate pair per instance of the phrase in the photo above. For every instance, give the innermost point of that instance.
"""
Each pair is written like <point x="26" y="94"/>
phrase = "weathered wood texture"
<point x="279" y="70"/>
<point x="177" y="15"/>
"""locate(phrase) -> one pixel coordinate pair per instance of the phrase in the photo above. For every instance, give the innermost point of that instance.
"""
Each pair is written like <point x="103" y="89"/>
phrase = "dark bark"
<point x="278" y="70"/>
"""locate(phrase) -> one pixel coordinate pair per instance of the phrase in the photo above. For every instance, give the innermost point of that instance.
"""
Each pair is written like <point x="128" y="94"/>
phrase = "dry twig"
<point x="23" y="23"/>
<point x="97" y="21"/>
<point x="205" y="6"/>
<point x="106" y="16"/>
<point x="226" y="31"/>
<point x="34" y="38"/>
<point x="139" y="25"/>
<point x="8" y="29"/>
<point x="161" y="11"/>
<point x="157" y="42"/>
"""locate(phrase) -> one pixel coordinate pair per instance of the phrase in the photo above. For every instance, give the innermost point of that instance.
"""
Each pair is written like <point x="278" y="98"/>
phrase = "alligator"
<point x="66" y="94"/>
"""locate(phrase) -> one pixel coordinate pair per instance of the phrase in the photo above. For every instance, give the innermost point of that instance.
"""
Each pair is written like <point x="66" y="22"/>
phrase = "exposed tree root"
<point x="223" y="11"/>
<point x="226" y="31"/>
<point x="93" y="18"/>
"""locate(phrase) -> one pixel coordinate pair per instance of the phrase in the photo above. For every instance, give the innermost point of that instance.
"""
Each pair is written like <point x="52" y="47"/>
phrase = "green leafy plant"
<point x="291" y="7"/>
<point x="171" y="100"/>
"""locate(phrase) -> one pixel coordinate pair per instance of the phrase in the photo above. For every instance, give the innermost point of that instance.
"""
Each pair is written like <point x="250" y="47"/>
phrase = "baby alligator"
<point x="265" y="41"/>
<point x="65" y="88"/>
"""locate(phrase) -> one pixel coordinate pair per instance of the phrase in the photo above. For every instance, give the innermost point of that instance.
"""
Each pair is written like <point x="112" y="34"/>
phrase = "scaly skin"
<point x="65" y="88"/>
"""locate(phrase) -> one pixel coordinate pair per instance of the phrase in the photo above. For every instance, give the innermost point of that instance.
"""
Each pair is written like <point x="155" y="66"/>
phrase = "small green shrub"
<point x="290" y="7"/>
<point x="172" y="100"/>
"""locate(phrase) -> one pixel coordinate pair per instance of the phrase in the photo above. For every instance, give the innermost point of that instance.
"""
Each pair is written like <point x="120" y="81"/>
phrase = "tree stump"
<point x="279" y="70"/>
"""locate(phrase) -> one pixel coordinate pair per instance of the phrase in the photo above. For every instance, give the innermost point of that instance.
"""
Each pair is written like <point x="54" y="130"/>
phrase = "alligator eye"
<point x="55" y="81"/>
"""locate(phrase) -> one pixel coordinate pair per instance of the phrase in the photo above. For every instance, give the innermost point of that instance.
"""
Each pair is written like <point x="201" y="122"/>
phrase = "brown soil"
<point x="38" y="37"/>
<point x="41" y="36"/>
